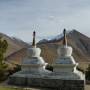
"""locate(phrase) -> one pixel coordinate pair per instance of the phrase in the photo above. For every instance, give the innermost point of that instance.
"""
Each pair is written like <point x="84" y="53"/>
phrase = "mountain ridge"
<point x="13" y="45"/>
<point x="60" y="36"/>
<point x="78" y="41"/>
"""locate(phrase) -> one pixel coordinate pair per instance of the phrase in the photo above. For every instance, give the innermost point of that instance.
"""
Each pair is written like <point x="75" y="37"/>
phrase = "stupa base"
<point x="46" y="81"/>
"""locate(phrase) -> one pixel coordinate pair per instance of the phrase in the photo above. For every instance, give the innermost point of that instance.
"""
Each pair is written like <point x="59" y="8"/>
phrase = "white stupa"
<point x="64" y="75"/>
<point x="65" y="65"/>
<point x="33" y="66"/>
<point x="34" y="63"/>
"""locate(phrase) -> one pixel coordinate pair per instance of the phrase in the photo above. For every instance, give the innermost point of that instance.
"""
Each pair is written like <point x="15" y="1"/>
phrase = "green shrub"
<point x="3" y="66"/>
<point x="49" y="67"/>
<point x="87" y="73"/>
<point x="3" y="72"/>
<point x="80" y="69"/>
<point x="15" y="69"/>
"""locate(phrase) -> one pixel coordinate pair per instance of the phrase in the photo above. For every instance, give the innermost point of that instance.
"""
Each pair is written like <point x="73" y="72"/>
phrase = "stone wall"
<point x="56" y="84"/>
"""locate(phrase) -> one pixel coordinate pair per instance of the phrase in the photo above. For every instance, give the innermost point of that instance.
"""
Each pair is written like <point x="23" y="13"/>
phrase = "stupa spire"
<point x="65" y="38"/>
<point x="34" y="39"/>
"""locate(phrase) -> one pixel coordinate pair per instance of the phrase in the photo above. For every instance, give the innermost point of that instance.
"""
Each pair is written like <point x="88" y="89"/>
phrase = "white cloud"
<point x="47" y="17"/>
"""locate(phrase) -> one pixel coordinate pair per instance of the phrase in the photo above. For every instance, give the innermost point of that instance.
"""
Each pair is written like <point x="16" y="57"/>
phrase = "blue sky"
<point x="48" y="17"/>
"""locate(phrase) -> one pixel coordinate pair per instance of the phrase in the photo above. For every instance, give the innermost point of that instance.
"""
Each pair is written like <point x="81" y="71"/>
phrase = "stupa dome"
<point x="34" y="52"/>
<point x="64" y="51"/>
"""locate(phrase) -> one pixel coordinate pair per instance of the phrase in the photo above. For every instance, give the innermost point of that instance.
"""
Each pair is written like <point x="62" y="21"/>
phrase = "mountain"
<point x="43" y="41"/>
<point x="13" y="44"/>
<point x="54" y="39"/>
<point x="79" y="42"/>
<point x="20" y="42"/>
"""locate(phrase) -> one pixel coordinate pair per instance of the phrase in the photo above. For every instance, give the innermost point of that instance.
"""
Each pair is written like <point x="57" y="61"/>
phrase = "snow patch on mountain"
<point x="61" y="35"/>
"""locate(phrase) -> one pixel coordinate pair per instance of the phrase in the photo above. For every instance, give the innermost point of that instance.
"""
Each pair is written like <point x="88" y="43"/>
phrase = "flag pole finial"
<point x="34" y="39"/>
<point x="65" y="38"/>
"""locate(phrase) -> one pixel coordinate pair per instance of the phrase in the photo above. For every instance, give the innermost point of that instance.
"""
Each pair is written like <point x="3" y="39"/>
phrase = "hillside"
<point x="79" y="42"/>
<point x="13" y="44"/>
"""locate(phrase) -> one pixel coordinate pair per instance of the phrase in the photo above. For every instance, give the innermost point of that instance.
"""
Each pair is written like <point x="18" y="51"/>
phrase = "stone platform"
<point x="57" y="84"/>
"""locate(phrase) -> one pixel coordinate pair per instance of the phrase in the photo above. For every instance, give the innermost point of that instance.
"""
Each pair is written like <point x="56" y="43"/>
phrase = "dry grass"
<point x="84" y="65"/>
<point x="87" y="87"/>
